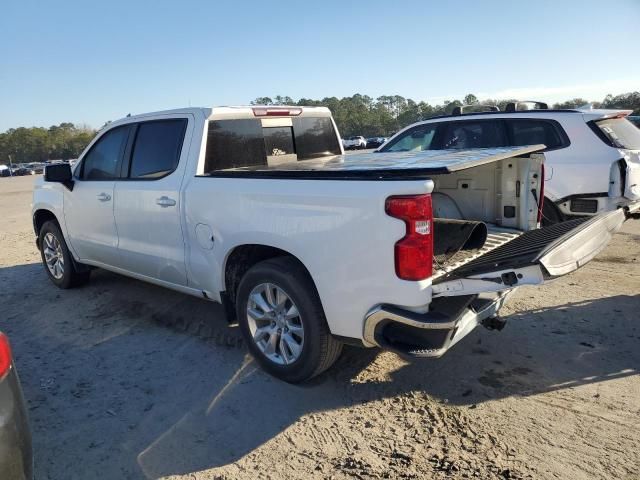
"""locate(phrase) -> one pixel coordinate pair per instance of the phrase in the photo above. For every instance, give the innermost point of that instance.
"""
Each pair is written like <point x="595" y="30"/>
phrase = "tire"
<point x="71" y="274"/>
<point x="550" y="214"/>
<point x="317" y="350"/>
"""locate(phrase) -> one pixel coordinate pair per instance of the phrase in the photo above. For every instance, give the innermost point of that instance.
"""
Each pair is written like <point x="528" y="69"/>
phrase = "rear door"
<point x="147" y="204"/>
<point x="533" y="257"/>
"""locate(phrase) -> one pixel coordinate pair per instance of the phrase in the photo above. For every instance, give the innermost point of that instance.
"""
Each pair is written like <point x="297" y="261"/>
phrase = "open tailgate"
<point x="533" y="257"/>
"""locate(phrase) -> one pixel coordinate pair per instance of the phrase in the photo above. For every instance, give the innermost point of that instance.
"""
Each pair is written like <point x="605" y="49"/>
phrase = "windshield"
<point x="415" y="139"/>
<point x="621" y="133"/>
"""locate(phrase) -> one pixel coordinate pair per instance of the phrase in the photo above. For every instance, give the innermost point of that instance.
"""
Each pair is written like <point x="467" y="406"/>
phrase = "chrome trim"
<point x="463" y="323"/>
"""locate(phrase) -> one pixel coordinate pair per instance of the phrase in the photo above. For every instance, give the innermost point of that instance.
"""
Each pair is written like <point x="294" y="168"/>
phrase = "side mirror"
<point x="59" y="173"/>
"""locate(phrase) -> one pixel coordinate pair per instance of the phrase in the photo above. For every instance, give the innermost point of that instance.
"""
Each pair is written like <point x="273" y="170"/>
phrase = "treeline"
<point x="37" y="144"/>
<point x="355" y="115"/>
<point x="385" y="115"/>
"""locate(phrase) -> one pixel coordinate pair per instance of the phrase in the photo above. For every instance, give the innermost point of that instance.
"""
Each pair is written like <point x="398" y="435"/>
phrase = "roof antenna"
<point x="128" y="115"/>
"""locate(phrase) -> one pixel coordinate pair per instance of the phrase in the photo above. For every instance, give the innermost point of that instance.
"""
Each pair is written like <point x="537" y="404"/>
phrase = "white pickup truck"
<point x="308" y="248"/>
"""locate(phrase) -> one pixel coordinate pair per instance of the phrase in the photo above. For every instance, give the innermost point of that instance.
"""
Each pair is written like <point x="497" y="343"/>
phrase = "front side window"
<point x="533" y="132"/>
<point x="477" y="134"/>
<point x="416" y="139"/>
<point x="620" y="133"/>
<point x="157" y="148"/>
<point x="103" y="160"/>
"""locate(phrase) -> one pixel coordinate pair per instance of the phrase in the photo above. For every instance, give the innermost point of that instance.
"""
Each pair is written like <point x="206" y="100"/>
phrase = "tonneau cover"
<point x="383" y="165"/>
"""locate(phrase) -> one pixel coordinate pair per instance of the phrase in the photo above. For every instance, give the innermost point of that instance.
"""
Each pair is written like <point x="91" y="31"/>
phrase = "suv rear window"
<point x="620" y="133"/>
<point x="245" y="142"/>
<point x="526" y="131"/>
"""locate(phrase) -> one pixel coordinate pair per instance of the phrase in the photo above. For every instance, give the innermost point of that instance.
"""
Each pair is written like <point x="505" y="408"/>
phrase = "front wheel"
<point x="282" y="321"/>
<point x="57" y="260"/>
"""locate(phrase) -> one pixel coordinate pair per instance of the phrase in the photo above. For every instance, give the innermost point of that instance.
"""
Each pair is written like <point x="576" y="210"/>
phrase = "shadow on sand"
<point x="179" y="402"/>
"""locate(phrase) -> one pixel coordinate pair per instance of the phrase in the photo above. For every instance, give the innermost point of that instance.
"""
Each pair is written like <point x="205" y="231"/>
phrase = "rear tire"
<point x="282" y="321"/>
<point x="57" y="260"/>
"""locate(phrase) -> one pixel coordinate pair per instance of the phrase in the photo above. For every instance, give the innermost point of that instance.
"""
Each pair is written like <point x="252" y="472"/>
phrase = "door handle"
<point x="104" y="197"/>
<point x="165" y="201"/>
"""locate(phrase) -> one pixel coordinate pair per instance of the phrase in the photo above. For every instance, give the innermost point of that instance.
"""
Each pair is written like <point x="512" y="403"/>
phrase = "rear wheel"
<point x="283" y="322"/>
<point x="57" y="260"/>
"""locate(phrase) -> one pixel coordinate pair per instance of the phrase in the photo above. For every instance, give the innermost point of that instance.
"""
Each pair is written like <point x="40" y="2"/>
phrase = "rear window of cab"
<point x="241" y="143"/>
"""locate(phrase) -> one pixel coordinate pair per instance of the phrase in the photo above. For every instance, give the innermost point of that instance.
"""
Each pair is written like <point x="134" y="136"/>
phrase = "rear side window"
<point x="414" y="140"/>
<point x="478" y="134"/>
<point x="246" y="143"/>
<point x="157" y="148"/>
<point x="102" y="161"/>
<point x="533" y="132"/>
<point x="620" y="133"/>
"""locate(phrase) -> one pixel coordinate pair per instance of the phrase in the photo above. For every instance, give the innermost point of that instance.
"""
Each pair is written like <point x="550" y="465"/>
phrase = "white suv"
<point x="592" y="156"/>
<point x="355" y="142"/>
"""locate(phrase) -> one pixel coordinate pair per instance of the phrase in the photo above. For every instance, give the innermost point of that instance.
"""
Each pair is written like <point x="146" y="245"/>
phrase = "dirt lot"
<point x="114" y="392"/>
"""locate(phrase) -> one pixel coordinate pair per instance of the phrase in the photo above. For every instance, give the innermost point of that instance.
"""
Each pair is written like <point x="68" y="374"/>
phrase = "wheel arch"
<point x="239" y="260"/>
<point x="40" y="217"/>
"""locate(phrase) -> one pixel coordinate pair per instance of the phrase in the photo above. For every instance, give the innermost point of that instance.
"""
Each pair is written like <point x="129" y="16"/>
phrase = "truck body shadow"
<point x="102" y="373"/>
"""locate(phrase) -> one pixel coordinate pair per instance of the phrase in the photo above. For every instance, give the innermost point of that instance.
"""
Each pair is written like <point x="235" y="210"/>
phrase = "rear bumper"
<point x="430" y="334"/>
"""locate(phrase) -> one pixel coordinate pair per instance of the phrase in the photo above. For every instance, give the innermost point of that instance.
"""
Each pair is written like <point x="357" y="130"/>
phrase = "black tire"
<point x="74" y="275"/>
<point x="550" y="214"/>
<point x="319" y="349"/>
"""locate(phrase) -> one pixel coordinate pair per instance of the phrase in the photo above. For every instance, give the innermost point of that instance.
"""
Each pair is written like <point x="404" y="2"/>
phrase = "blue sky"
<point x="88" y="62"/>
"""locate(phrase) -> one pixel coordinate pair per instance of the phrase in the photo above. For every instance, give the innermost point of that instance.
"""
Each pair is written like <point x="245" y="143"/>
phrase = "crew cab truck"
<point x="259" y="209"/>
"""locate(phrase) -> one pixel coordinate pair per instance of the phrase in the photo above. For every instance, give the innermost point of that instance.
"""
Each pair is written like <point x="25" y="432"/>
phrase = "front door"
<point x="88" y="208"/>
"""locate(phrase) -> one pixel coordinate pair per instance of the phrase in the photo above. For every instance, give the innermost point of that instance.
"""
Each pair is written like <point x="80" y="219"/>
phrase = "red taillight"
<point x="414" y="252"/>
<point x="276" y="112"/>
<point x="541" y="195"/>
<point x="5" y="355"/>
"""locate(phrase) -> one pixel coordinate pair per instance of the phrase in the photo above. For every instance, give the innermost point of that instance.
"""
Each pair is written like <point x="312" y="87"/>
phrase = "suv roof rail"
<point x="487" y="108"/>
<point x="514" y="106"/>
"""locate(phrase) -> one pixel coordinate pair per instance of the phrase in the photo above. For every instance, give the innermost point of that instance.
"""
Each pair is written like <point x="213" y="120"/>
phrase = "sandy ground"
<point x="114" y="392"/>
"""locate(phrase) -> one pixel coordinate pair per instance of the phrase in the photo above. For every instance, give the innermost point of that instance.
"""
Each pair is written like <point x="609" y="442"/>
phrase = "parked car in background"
<point x="354" y="143"/>
<point x="592" y="156"/>
<point x="19" y="171"/>
<point x="5" y="171"/>
<point x="16" y="458"/>
<point x="307" y="248"/>
<point x="635" y="119"/>
<point x="375" y="142"/>
<point x="34" y="168"/>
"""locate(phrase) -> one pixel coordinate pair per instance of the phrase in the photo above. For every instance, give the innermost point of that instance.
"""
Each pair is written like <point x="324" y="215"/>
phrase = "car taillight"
<point x="541" y="196"/>
<point x="414" y="251"/>
<point x="5" y="355"/>
<point x="276" y="112"/>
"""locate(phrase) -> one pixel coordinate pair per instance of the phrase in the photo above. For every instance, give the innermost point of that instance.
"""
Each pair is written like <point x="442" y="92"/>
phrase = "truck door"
<point x="148" y="208"/>
<point x="88" y="208"/>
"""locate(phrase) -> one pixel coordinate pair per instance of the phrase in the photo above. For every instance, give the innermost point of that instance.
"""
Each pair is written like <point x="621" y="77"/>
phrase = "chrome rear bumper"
<point x="430" y="334"/>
